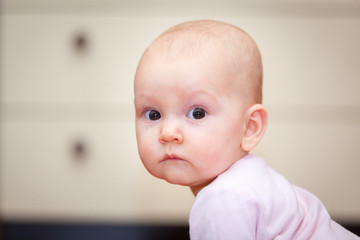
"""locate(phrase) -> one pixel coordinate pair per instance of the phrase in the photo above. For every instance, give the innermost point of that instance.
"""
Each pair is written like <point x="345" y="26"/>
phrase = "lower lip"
<point x="172" y="159"/>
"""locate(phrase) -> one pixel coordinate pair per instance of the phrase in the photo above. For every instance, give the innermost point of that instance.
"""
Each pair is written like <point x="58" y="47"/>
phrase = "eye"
<point x="197" y="113"/>
<point x="152" y="115"/>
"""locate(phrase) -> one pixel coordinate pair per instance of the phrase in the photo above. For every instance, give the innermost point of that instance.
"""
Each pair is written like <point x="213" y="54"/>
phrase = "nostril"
<point x="162" y="140"/>
<point x="179" y="139"/>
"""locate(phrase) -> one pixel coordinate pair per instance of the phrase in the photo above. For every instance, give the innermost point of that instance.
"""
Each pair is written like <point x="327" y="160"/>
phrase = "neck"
<point x="197" y="188"/>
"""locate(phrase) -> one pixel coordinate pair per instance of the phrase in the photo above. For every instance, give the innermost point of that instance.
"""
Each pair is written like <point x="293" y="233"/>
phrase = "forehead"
<point x="209" y="70"/>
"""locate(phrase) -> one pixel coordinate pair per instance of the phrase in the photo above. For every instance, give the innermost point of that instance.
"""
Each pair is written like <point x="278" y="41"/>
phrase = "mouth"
<point x="171" y="157"/>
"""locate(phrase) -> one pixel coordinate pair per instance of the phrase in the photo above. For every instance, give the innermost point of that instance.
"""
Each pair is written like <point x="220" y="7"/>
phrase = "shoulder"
<point x="237" y="188"/>
<point x="249" y="195"/>
<point x="229" y="205"/>
<point x="224" y="214"/>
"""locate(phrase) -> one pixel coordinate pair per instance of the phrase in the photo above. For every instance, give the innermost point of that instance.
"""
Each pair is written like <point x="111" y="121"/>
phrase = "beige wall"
<point x="53" y="97"/>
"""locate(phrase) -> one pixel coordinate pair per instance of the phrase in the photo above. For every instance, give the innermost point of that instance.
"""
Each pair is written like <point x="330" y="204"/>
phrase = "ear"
<point x="256" y="122"/>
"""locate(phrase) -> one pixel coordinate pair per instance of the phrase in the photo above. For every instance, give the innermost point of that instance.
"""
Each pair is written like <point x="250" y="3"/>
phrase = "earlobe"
<point x="256" y="122"/>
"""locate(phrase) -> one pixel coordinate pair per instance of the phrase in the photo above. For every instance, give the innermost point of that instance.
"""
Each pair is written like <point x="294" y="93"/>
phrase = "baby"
<point x="198" y="94"/>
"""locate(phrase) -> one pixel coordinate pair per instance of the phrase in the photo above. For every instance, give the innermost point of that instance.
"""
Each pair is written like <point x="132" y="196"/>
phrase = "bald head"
<point x="207" y="38"/>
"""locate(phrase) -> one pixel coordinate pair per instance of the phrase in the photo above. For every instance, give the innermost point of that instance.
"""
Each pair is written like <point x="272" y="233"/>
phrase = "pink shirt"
<point x="252" y="201"/>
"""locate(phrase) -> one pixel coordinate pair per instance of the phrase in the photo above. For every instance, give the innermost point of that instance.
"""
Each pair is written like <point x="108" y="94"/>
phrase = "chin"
<point x="177" y="180"/>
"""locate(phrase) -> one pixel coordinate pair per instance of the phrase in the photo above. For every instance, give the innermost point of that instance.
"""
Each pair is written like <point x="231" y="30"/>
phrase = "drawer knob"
<point x="79" y="150"/>
<point x="81" y="43"/>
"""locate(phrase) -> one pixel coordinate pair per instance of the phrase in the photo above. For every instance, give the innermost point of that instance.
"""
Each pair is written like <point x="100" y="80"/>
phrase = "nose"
<point x="170" y="132"/>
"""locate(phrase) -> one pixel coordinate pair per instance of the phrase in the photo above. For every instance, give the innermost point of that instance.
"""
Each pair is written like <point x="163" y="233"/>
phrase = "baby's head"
<point x="198" y="102"/>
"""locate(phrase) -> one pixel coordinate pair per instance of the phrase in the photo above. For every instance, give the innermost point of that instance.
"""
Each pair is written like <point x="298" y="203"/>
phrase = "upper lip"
<point x="171" y="156"/>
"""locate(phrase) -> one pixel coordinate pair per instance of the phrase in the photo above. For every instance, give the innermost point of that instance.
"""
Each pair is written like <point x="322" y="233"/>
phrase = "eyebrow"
<point x="198" y="93"/>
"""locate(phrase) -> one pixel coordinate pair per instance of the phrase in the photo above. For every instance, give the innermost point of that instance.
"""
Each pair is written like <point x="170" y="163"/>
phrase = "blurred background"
<point x="69" y="167"/>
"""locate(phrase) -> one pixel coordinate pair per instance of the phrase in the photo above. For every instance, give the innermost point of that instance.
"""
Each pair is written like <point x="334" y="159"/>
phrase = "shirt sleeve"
<point x="226" y="215"/>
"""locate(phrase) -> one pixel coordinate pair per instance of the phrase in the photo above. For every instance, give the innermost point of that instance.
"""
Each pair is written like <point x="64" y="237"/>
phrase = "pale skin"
<point x="193" y="120"/>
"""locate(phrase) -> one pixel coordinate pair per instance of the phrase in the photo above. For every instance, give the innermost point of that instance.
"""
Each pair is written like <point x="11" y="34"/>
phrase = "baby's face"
<point x="189" y="118"/>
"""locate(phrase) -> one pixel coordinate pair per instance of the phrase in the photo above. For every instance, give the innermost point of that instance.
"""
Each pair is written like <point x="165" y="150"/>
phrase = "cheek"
<point x="204" y="147"/>
<point x="148" y="154"/>
<point x="146" y="141"/>
<point x="216" y="147"/>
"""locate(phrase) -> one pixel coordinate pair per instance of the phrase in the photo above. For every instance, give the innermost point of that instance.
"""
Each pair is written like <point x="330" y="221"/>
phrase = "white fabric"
<point x="251" y="201"/>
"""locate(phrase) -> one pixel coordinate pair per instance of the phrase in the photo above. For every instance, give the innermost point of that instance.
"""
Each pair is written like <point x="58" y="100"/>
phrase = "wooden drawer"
<point x="68" y="59"/>
<point x="82" y="171"/>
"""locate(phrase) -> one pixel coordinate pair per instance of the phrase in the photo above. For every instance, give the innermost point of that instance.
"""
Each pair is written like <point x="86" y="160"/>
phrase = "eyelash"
<point x="195" y="113"/>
